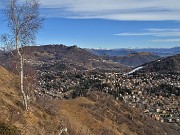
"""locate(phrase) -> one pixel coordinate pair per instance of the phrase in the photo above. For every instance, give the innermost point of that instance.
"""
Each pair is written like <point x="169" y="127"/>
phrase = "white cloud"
<point x="154" y="32"/>
<point x="166" y="40"/>
<point x="114" y="9"/>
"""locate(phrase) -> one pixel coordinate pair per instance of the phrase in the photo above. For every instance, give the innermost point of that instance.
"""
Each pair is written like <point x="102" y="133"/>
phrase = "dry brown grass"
<point x="35" y="121"/>
<point x="85" y="121"/>
<point x="96" y="114"/>
<point x="100" y="114"/>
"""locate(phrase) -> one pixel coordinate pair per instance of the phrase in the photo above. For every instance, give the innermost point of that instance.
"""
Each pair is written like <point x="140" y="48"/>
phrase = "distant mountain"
<point x="163" y="52"/>
<point x="69" y="58"/>
<point x="75" y="56"/>
<point x="112" y="52"/>
<point x="169" y="64"/>
<point x="134" y="59"/>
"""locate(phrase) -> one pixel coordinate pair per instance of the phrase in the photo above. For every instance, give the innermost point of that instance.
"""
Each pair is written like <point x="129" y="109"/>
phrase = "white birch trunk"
<point x="21" y="74"/>
<point x="22" y="79"/>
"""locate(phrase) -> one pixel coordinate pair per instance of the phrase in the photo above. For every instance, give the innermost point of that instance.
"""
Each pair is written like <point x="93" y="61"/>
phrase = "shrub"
<point x="8" y="130"/>
<point x="50" y="106"/>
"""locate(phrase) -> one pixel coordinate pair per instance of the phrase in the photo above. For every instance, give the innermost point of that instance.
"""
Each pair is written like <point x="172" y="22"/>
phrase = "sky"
<point x="109" y="23"/>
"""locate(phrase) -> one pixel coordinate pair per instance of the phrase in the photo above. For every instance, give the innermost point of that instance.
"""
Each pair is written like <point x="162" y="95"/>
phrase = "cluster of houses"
<point x="156" y="94"/>
<point x="164" y="109"/>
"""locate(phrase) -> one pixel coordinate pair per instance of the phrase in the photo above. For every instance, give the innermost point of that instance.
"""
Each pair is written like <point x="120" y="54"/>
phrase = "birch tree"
<point x="24" y="21"/>
<point x="7" y="41"/>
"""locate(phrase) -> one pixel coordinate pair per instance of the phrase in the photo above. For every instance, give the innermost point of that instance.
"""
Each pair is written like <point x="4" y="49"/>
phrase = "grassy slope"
<point x="100" y="114"/>
<point x="87" y="121"/>
<point x="96" y="114"/>
<point x="36" y="121"/>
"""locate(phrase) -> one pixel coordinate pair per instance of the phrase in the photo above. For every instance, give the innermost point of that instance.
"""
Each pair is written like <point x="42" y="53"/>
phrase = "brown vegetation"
<point x="96" y="114"/>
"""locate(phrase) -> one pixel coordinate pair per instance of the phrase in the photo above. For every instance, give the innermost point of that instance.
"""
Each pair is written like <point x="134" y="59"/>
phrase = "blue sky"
<point x="109" y="23"/>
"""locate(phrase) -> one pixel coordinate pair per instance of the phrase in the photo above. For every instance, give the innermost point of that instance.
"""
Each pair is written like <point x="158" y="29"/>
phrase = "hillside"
<point x="100" y="114"/>
<point x="112" y="52"/>
<point x="169" y="64"/>
<point x="73" y="55"/>
<point x="60" y="69"/>
<point x="95" y="114"/>
<point x="13" y="119"/>
<point x="73" y="58"/>
<point x="134" y="59"/>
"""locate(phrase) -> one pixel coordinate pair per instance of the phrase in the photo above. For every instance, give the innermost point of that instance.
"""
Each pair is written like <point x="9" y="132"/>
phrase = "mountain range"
<point x="163" y="52"/>
<point x="61" y="70"/>
<point x="133" y="59"/>
<point x="72" y="58"/>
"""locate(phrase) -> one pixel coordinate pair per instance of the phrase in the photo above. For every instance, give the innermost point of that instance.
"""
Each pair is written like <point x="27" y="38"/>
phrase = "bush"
<point x="50" y="106"/>
<point x="8" y="130"/>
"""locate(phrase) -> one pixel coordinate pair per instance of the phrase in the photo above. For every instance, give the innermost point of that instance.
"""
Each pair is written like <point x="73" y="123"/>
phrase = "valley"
<point x="80" y="67"/>
<point x="63" y="75"/>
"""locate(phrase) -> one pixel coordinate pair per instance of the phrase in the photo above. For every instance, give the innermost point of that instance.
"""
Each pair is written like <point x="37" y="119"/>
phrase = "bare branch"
<point x="24" y="21"/>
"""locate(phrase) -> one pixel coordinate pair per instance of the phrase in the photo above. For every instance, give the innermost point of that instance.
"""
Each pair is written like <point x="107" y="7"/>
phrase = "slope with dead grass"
<point x="96" y="114"/>
<point x="12" y="114"/>
<point x="100" y="114"/>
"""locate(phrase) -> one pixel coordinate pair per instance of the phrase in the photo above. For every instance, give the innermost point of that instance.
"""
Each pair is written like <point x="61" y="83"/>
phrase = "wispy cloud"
<point x="154" y="32"/>
<point x="114" y="9"/>
<point x="166" y="40"/>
